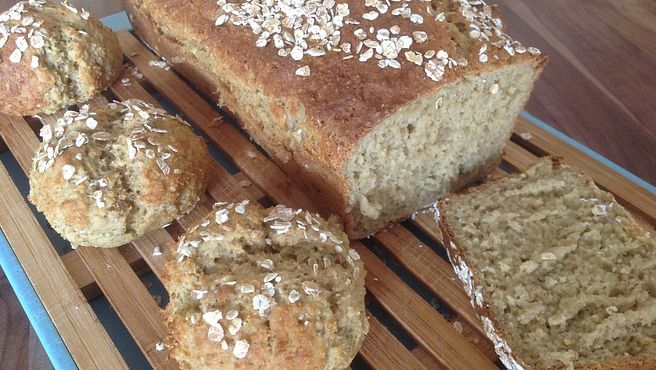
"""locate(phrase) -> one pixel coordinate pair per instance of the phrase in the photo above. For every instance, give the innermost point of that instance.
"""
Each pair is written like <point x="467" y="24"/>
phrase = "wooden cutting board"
<point x="419" y="314"/>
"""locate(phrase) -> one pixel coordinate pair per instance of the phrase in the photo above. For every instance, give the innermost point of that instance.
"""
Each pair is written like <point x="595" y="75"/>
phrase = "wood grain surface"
<point x="599" y="88"/>
<point x="19" y="346"/>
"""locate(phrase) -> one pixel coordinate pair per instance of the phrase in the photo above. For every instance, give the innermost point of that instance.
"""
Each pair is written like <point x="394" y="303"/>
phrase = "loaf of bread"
<point x="104" y="177"/>
<point x="53" y="56"/>
<point x="561" y="275"/>
<point x="376" y="107"/>
<point x="264" y="289"/>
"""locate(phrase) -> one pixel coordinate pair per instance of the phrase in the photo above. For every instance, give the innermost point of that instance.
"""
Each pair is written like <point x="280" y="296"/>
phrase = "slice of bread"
<point x="561" y="275"/>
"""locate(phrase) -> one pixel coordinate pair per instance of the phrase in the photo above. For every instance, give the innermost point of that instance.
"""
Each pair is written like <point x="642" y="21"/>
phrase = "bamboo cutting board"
<point x="420" y="316"/>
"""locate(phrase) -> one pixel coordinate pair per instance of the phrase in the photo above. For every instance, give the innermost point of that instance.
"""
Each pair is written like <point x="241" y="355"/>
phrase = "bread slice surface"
<point x="560" y="273"/>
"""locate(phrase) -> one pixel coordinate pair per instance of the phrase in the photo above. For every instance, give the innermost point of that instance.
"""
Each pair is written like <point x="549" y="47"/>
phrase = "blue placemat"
<point x="41" y="322"/>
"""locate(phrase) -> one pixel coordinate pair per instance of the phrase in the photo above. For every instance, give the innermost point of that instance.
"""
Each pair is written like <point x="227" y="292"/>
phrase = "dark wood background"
<point x="599" y="88"/>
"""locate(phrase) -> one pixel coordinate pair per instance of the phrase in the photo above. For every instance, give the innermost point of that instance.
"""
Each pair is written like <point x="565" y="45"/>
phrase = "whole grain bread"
<point x="102" y="178"/>
<point x="561" y="275"/>
<point x="264" y="289"/>
<point x="376" y="108"/>
<point x="52" y="56"/>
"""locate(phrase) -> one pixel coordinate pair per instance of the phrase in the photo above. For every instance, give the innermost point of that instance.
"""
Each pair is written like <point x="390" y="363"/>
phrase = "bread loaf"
<point x="104" y="177"/>
<point x="264" y="289"/>
<point x="561" y="275"/>
<point x="377" y="108"/>
<point x="53" y="56"/>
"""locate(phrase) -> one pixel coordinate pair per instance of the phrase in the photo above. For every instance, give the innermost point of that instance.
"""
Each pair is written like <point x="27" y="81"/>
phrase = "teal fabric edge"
<point x="117" y="21"/>
<point x="598" y="157"/>
<point x="36" y="313"/>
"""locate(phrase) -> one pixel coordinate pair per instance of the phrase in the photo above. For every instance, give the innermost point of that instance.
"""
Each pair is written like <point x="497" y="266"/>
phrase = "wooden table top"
<point x="599" y="87"/>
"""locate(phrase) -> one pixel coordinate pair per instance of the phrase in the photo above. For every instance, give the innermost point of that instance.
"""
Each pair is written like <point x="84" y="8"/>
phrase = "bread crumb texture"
<point x="566" y="273"/>
<point x="264" y="289"/>
<point x="52" y="56"/>
<point x="104" y="178"/>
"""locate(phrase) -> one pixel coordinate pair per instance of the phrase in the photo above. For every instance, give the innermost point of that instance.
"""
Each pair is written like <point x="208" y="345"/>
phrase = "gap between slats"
<point x="114" y="276"/>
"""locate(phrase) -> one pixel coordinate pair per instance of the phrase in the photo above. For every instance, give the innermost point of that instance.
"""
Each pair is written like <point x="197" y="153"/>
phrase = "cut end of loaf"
<point x="434" y="145"/>
<point x="562" y="270"/>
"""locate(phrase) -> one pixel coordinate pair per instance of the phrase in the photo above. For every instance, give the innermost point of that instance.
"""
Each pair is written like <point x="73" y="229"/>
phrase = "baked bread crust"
<point x="474" y="289"/>
<point x="264" y="289"/>
<point x="314" y="123"/>
<point x="104" y="178"/>
<point x="53" y="56"/>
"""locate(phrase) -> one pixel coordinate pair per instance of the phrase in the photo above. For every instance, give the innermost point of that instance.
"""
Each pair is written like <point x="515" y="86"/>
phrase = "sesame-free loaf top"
<point x="311" y="80"/>
<point x="347" y="92"/>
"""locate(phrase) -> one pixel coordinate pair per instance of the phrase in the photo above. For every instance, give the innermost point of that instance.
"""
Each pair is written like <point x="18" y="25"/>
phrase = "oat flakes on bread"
<point x="264" y="289"/>
<point x="102" y="178"/>
<point x="375" y="107"/>
<point x="561" y="275"/>
<point x="53" y="56"/>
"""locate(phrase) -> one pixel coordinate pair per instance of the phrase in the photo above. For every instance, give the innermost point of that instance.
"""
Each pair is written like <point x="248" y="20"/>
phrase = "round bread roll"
<point x="264" y="289"/>
<point x="53" y="56"/>
<point x="104" y="178"/>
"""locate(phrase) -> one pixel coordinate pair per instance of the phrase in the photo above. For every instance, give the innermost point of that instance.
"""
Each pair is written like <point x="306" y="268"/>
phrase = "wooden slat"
<point x="426" y="223"/>
<point x="623" y="188"/>
<point x="430" y="269"/>
<point x="427" y="327"/>
<point x="517" y="157"/>
<point x="253" y="163"/>
<point x="132" y="302"/>
<point x="384" y="352"/>
<point x="83" y="278"/>
<point x="426" y="359"/>
<point x="129" y="304"/>
<point x="438" y="276"/>
<point x="70" y="313"/>
<point x="20" y="139"/>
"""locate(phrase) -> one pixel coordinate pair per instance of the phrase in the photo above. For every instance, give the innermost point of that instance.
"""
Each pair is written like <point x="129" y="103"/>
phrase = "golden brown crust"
<point x="342" y="99"/>
<point x="473" y="287"/>
<point x="246" y="275"/>
<point x="334" y="108"/>
<point x="52" y="58"/>
<point x="104" y="178"/>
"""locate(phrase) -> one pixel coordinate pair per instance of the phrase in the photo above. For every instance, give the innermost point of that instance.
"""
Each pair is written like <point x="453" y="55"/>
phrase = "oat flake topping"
<point x="27" y="30"/>
<point x="223" y="324"/>
<point x="313" y="28"/>
<point x="60" y="136"/>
